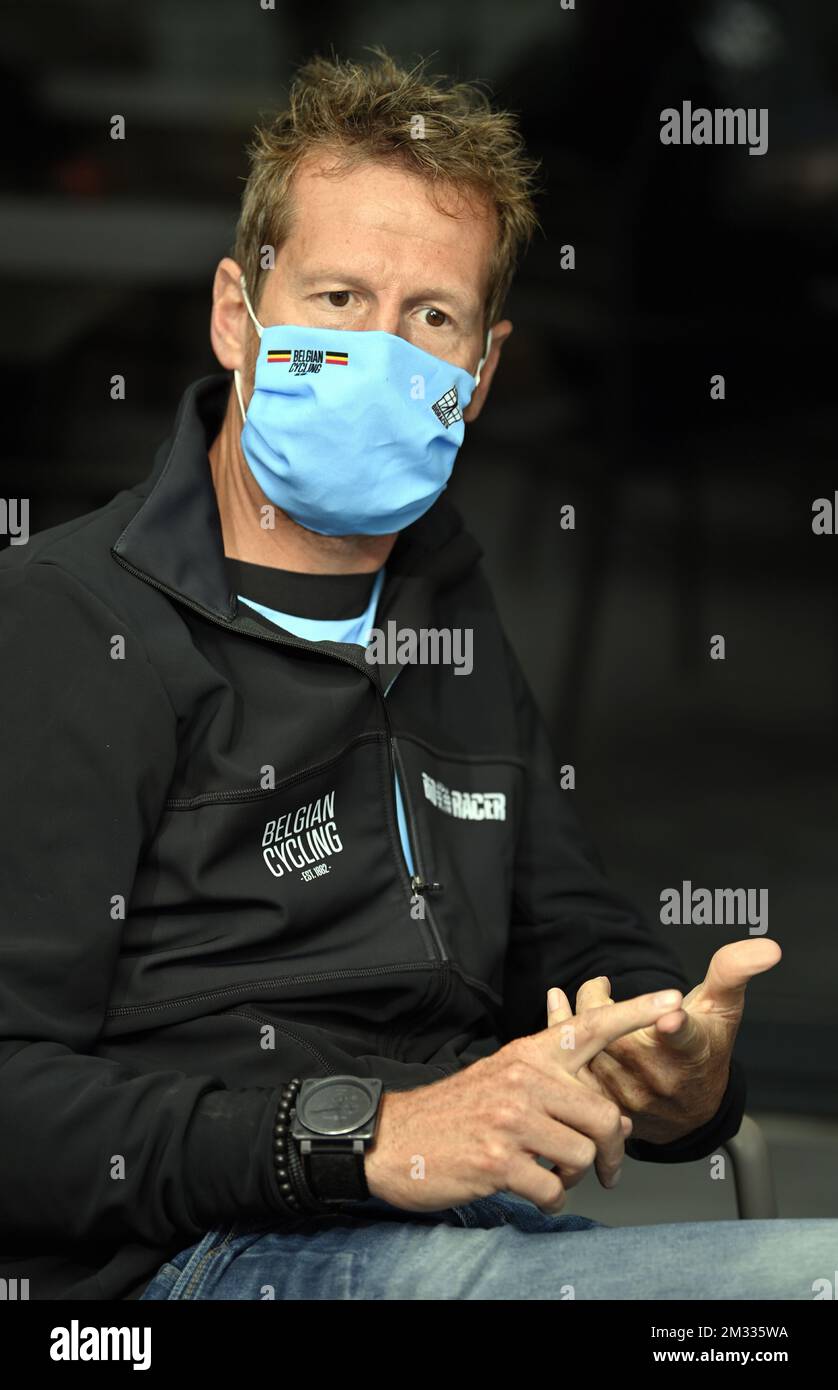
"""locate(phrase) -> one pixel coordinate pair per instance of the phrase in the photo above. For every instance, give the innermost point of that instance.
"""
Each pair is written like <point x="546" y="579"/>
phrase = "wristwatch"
<point x="334" y="1123"/>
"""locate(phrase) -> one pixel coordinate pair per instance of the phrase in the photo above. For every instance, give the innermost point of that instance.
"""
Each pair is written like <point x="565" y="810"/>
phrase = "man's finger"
<point x="677" y="1029"/>
<point x="734" y="966"/>
<point x="558" y="1007"/>
<point x="680" y="1030"/>
<point x="592" y="1115"/>
<point x="559" y="1011"/>
<point x="594" y="993"/>
<point x="596" y="1028"/>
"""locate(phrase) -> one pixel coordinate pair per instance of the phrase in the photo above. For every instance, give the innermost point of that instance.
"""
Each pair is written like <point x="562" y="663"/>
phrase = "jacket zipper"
<point x="418" y="883"/>
<point x="420" y="886"/>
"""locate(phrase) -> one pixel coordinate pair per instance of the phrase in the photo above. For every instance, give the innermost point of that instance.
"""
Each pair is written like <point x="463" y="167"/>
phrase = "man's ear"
<point x="229" y="322"/>
<point x="500" y="333"/>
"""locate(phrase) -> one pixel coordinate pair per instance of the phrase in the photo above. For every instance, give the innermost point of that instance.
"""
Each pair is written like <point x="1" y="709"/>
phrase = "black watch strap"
<point x="337" y="1175"/>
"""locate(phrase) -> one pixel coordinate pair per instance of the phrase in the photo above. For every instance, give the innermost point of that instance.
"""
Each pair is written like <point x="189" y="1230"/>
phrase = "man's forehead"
<point x="384" y="207"/>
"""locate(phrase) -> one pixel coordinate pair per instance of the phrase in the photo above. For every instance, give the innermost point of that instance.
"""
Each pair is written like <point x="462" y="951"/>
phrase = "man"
<point x="249" y="846"/>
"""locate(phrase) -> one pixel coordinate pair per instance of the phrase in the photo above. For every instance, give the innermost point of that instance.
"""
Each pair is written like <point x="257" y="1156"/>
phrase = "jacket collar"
<point x="174" y="540"/>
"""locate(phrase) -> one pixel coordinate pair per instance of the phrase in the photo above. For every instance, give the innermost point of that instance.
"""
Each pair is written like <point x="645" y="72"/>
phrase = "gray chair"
<point x="752" y="1173"/>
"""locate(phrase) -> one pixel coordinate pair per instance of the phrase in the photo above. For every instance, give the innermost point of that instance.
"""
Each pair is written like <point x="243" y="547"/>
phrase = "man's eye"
<point x="436" y="318"/>
<point x="338" y="298"/>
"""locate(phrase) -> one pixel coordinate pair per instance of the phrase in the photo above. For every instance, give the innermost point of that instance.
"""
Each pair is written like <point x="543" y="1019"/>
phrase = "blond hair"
<point x="375" y="111"/>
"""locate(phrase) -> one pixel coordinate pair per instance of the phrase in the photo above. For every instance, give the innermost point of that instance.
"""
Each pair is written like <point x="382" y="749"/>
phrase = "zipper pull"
<point x="419" y="885"/>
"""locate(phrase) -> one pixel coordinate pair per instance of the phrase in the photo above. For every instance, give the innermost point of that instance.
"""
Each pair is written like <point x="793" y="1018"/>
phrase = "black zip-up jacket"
<point x="202" y="887"/>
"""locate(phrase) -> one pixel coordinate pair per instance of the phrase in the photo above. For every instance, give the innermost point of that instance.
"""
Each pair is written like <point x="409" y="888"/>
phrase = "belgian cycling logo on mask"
<point x="447" y="408"/>
<point x="301" y="361"/>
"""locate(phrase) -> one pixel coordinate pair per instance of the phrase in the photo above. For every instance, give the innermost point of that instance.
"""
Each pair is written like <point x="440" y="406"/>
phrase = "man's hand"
<point x="669" y="1077"/>
<point x="482" y="1130"/>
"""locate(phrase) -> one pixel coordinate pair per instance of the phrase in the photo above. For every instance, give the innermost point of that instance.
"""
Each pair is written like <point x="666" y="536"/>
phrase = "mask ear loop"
<point x="258" y="326"/>
<point x="481" y="364"/>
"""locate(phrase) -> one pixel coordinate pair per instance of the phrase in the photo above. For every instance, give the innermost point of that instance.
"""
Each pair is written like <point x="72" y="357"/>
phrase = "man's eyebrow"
<point x="340" y="276"/>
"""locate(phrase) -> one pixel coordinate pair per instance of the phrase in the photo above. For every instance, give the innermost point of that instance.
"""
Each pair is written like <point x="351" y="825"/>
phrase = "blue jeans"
<point x="501" y="1247"/>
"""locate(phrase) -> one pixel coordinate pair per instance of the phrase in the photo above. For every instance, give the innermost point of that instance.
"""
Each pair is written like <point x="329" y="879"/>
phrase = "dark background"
<point x="693" y="516"/>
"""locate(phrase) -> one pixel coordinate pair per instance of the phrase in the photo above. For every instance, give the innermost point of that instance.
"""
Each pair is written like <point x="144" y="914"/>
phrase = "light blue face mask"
<point x="352" y="433"/>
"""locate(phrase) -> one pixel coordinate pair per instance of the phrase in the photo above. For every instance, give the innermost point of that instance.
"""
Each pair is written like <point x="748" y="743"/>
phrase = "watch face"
<point x="336" y="1107"/>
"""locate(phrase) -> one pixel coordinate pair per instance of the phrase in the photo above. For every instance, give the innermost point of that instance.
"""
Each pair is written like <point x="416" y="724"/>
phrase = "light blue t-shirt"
<point x="355" y="631"/>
